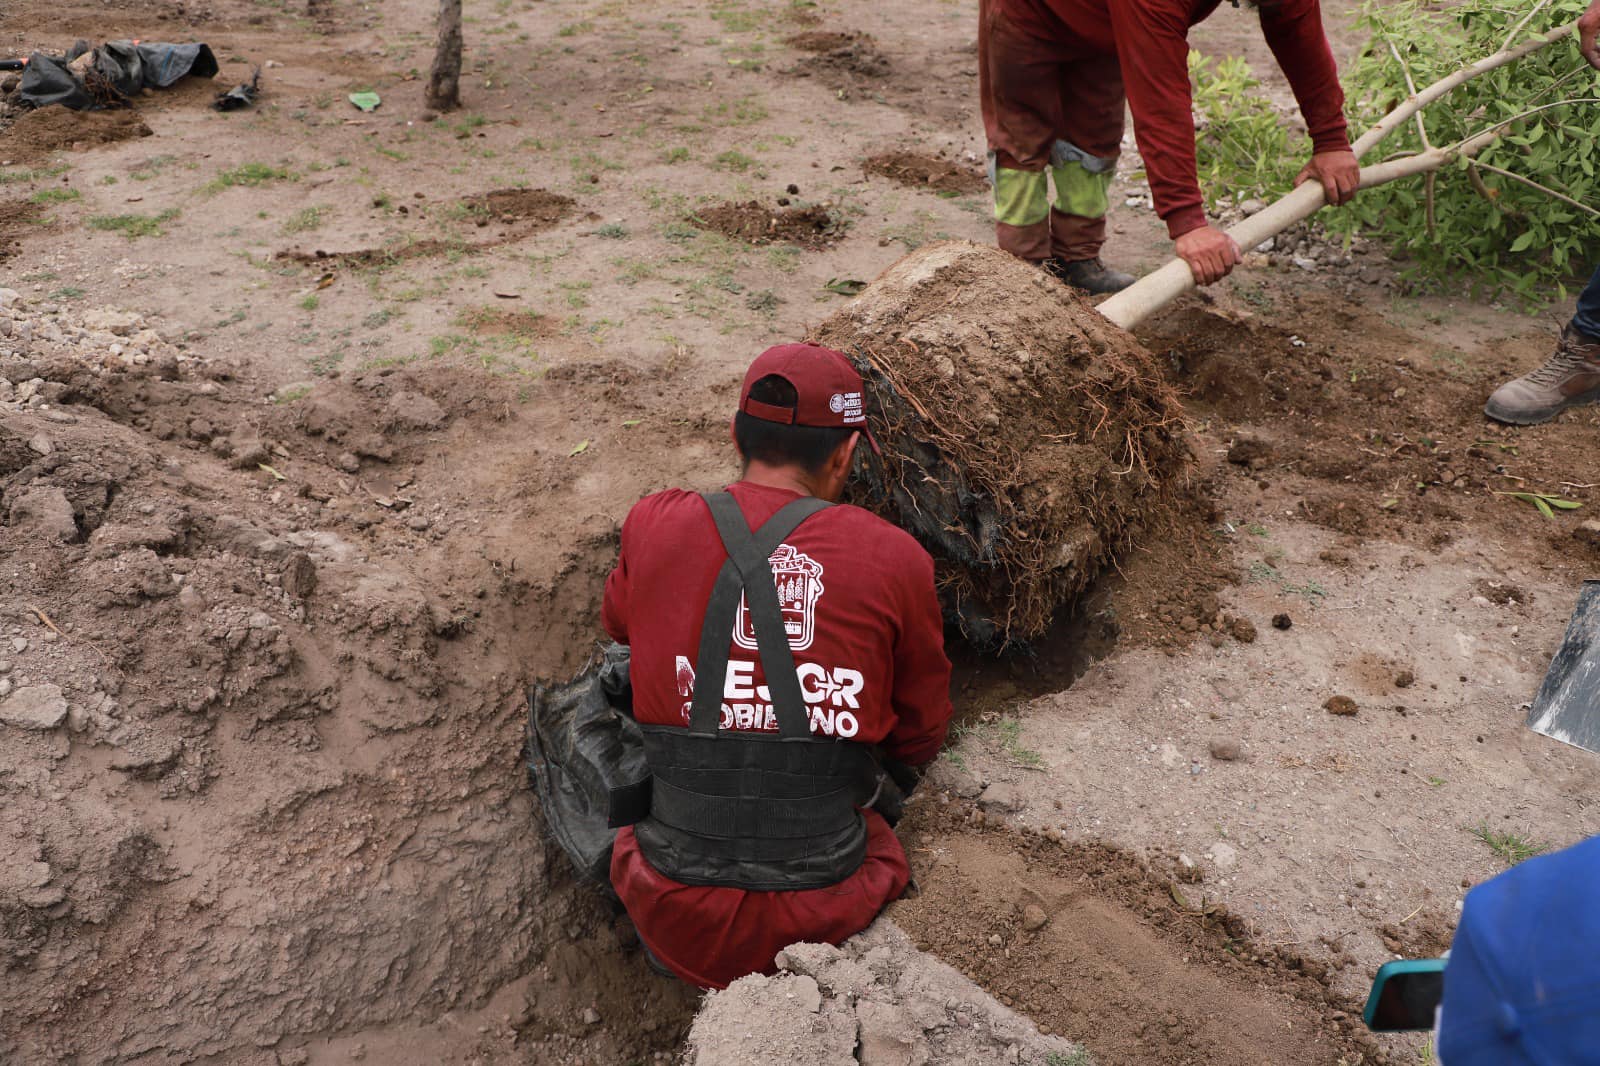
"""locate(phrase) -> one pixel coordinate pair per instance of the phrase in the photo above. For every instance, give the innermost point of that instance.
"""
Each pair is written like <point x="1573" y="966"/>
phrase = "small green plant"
<point x="675" y="155"/>
<point x="134" y="226"/>
<point x="55" y="196"/>
<point x="304" y="220"/>
<point x="1511" y="847"/>
<point x="249" y="174"/>
<point x="309" y="303"/>
<point x="1009" y="731"/>
<point x="67" y="292"/>
<point x="1521" y="216"/>
<point x="737" y="162"/>
<point x="292" y="395"/>
<point x="1544" y="501"/>
<point x="1242" y="148"/>
<point x="612" y="231"/>
<point x="377" y="319"/>
<point x="21" y="177"/>
<point x="1076" y="1057"/>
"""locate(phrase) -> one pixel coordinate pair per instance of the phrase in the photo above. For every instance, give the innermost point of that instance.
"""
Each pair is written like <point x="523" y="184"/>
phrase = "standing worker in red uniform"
<point x="782" y="644"/>
<point x="1053" y="75"/>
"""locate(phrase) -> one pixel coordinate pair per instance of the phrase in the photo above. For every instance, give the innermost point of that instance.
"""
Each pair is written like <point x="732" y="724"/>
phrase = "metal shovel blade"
<point x="1567" y="707"/>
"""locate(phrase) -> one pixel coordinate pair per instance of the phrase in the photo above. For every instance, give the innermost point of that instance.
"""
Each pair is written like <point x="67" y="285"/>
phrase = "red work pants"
<point x="1037" y="94"/>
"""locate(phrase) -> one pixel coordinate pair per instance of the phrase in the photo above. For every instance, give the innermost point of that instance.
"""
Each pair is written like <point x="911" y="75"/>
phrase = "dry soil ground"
<point x="285" y="563"/>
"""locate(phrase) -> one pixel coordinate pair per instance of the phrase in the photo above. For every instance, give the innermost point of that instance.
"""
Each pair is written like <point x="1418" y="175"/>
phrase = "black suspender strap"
<point x="749" y="571"/>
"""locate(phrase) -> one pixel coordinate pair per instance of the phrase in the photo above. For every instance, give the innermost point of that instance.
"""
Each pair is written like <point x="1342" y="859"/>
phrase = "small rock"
<point x="19" y="644"/>
<point x="1281" y="621"/>
<point x="591" y="1016"/>
<point x="200" y="429"/>
<point x="5" y="687"/>
<point x="45" y="511"/>
<point x="1588" y="532"/>
<point x="1342" y="706"/>
<point x="1405" y="679"/>
<point x="1001" y="799"/>
<point x="1223" y="855"/>
<point x="1249" y="450"/>
<point x="1034" y="918"/>
<point x="348" y="463"/>
<point x="9" y="298"/>
<point x="36" y="707"/>
<point x="418" y="522"/>
<point x="299" y="575"/>
<point x="40" y="444"/>
<point x="1252" y="206"/>
<point x="1305" y="262"/>
<point x="1226" y="749"/>
<point x="410" y="410"/>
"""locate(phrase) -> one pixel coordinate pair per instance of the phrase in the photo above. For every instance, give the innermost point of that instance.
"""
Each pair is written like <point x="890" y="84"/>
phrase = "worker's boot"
<point x="1570" y="377"/>
<point x="1090" y="275"/>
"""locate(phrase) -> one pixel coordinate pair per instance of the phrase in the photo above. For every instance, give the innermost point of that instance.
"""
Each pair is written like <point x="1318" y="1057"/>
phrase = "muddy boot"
<point x="1570" y="377"/>
<point x="1090" y="275"/>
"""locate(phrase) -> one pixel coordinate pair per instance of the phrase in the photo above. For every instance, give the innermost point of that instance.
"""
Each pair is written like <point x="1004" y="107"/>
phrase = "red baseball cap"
<point x="829" y="389"/>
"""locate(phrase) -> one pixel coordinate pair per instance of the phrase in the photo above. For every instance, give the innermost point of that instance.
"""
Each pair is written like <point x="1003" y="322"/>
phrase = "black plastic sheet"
<point x="584" y="752"/>
<point x="125" y="67"/>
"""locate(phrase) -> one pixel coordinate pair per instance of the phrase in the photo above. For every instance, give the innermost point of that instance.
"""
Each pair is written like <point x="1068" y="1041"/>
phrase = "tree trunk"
<point x="444" y="83"/>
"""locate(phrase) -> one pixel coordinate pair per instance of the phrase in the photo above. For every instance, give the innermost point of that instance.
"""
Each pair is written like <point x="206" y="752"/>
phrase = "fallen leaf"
<point x="509" y="295"/>
<point x="275" y="475"/>
<point x="582" y="447"/>
<point x="630" y="423"/>
<point x="845" y="286"/>
<point x="366" y="101"/>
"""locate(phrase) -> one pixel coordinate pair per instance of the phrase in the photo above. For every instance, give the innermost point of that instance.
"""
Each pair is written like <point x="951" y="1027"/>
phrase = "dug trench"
<point x="287" y="816"/>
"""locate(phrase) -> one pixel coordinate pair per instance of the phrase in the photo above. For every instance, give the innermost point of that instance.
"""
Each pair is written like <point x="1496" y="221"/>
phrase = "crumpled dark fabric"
<point x="586" y="756"/>
<point x="126" y="67"/>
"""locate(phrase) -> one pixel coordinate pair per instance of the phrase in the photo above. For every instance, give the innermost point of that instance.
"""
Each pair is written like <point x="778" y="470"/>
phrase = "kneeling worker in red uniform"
<point x="781" y="645"/>
<point x="1052" y="75"/>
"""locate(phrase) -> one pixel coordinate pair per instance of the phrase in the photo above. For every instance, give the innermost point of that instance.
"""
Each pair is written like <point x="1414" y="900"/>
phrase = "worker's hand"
<point x="1589" y="34"/>
<point x="1338" y="172"/>
<point x="1210" y="253"/>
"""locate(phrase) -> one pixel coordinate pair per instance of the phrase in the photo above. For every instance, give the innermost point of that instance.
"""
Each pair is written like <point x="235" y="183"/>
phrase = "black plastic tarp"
<point x="125" y="67"/>
<point x="584" y="752"/>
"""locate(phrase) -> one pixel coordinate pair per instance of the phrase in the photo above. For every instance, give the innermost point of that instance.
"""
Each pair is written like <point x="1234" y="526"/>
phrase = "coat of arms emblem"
<point x="799" y="581"/>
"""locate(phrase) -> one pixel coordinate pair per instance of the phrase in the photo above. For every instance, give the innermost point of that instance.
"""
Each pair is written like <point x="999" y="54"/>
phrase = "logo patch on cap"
<point x="848" y="405"/>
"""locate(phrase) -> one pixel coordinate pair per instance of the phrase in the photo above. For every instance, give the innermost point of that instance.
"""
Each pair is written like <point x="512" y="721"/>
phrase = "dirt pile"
<point x="812" y="226"/>
<point x="36" y="134"/>
<point x="876" y="999"/>
<point x="1095" y="945"/>
<point x="1025" y="439"/>
<point x="919" y="171"/>
<point x="262" y="725"/>
<point x="840" y="60"/>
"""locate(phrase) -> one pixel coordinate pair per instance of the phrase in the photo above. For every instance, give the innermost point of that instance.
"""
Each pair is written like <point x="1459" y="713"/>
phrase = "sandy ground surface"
<point x="319" y="429"/>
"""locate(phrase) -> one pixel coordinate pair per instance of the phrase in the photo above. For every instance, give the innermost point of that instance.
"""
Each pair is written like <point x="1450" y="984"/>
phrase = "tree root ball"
<point x="1025" y="439"/>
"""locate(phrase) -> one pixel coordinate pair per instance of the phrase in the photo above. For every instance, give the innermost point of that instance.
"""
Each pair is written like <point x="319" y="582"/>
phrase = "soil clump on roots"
<point x="1025" y="440"/>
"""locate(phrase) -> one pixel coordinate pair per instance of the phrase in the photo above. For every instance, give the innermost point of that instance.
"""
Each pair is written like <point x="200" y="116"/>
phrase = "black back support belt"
<point x="753" y="810"/>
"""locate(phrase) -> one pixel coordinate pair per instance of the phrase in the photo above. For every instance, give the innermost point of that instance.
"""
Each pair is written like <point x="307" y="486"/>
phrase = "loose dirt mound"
<point x="502" y="322"/>
<point x="538" y="206"/>
<point x="876" y="999"/>
<point x="1091" y="944"/>
<point x="839" y="60"/>
<point x="262" y="728"/>
<point x="926" y="172"/>
<point x="755" y="223"/>
<point x="1025" y="438"/>
<point x="50" y="129"/>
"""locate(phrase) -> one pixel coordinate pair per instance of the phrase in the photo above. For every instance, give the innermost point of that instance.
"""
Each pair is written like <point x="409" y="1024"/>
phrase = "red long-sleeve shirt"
<point x="868" y="641"/>
<point x="1150" y="39"/>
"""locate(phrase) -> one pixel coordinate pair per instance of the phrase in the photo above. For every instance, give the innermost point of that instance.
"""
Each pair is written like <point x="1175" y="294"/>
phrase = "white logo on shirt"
<point x="799" y="581"/>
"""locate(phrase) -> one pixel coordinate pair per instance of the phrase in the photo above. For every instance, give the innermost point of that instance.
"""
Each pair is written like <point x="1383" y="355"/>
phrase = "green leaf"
<point x="582" y="447"/>
<point x="845" y="286"/>
<point x="1544" y="508"/>
<point x="367" y="101"/>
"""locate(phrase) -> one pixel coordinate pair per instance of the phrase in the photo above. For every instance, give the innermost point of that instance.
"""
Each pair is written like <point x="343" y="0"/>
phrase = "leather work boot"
<point x="1569" y="378"/>
<point x="1090" y="275"/>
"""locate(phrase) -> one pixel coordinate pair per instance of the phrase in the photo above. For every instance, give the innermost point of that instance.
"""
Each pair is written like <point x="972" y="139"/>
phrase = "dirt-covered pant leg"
<point x="1587" y="320"/>
<point x="1049" y="107"/>
<point x="1085" y="159"/>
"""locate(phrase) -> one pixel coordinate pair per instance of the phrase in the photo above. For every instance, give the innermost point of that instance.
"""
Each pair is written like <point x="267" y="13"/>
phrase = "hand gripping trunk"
<point x="758" y="811"/>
